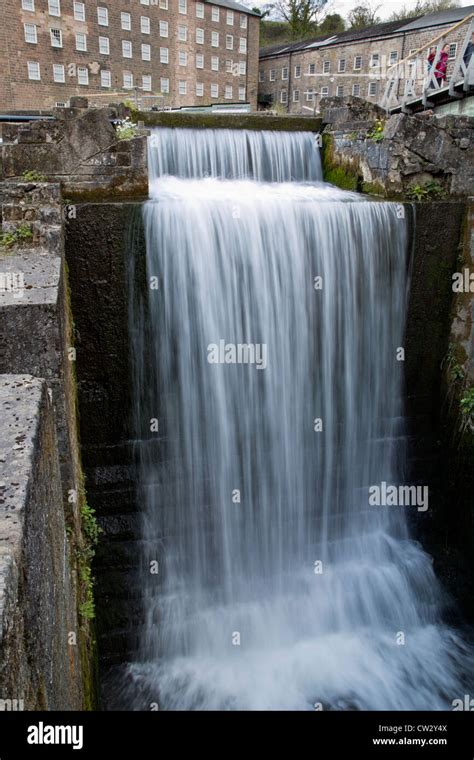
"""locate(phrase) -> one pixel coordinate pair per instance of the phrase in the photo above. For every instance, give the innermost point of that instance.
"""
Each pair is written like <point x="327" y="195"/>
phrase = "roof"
<point x="449" y="16"/>
<point x="234" y="6"/>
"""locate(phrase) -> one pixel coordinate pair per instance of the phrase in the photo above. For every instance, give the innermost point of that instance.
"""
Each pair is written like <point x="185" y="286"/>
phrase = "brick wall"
<point x="19" y="92"/>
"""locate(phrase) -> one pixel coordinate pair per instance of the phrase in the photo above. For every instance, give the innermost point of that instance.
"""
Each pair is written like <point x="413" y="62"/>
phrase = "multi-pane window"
<point x="393" y="57"/>
<point x="296" y="96"/>
<point x="199" y="61"/>
<point x="242" y="93"/>
<point x="183" y="58"/>
<point x="214" y="90"/>
<point x="452" y="50"/>
<point x="182" y="33"/>
<point x="164" y="85"/>
<point x="356" y="89"/>
<point x="34" y="70"/>
<point x="126" y="48"/>
<point x="243" y="21"/>
<point x="81" y="41"/>
<point x="283" y="96"/>
<point x="324" y="92"/>
<point x="144" y="25"/>
<point x="375" y="59"/>
<point x="82" y="75"/>
<point x="182" y="6"/>
<point x="326" y="67"/>
<point x="312" y="68"/>
<point x="30" y="33"/>
<point x="146" y="52"/>
<point x="228" y="66"/>
<point x="199" y="89"/>
<point x="341" y="65"/>
<point x="272" y="75"/>
<point x="309" y="95"/>
<point x="228" y="92"/>
<point x="200" y="36"/>
<point x="284" y="72"/>
<point x="199" y="10"/>
<point x="214" y="63"/>
<point x="104" y="46"/>
<point x="54" y="7"/>
<point x="229" y="42"/>
<point x="182" y="88"/>
<point x="215" y="13"/>
<point x="164" y="6"/>
<point x="105" y="78"/>
<point x="28" y="5"/>
<point x="242" y="45"/>
<point x="79" y="11"/>
<point x="340" y="91"/>
<point x="56" y="38"/>
<point x="215" y="39"/>
<point x="357" y="63"/>
<point x="126" y="21"/>
<point x="372" y="88"/>
<point x="127" y="80"/>
<point x="163" y="28"/>
<point x="242" y="67"/>
<point x="261" y="76"/>
<point x="164" y="55"/>
<point x="58" y="73"/>
<point x="229" y="18"/>
<point x="102" y="16"/>
<point x="145" y="2"/>
<point x="146" y="82"/>
<point x="297" y="72"/>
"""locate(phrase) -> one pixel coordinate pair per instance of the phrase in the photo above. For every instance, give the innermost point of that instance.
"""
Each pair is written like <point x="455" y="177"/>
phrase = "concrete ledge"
<point x="255" y="121"/>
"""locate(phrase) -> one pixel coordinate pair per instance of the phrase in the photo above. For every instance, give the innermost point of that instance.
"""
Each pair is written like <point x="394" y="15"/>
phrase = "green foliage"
<point x="273" y="32"/>
<point x="423" y="8"/>
<point x="363" y="16"/>
<point x="20" y="236"/>
<point x="126" y="129"/>
<point x="84" y="556"/>
<point x="337" y="175"/>
<point x="454" y="369"/>
<point x="33" y="176"/>
<point x="430" y="191"/>
<point x="466" y="406"/>
<point x="376" y="133"/>
<point x="89" y="524"/>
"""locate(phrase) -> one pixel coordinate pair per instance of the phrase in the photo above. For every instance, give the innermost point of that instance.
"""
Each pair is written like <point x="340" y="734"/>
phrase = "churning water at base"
<point x="266" y="348"/>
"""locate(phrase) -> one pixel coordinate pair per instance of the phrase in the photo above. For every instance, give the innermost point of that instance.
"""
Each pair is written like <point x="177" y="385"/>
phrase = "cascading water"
<point x="267" y="351"/>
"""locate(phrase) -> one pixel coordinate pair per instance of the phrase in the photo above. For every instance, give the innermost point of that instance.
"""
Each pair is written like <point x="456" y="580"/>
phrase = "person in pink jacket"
<point x="441" y="66"/>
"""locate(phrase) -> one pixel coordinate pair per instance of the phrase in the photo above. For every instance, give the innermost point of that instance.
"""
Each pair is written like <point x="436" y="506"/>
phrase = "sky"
<point x="343" y="7"/>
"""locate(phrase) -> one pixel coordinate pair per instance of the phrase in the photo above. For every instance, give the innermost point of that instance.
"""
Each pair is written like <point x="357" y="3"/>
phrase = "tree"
<point x="423" y="8"/>
<point x="363" y="16"/>
<point x="332" y="24"/>
<point x="302" y="16"/>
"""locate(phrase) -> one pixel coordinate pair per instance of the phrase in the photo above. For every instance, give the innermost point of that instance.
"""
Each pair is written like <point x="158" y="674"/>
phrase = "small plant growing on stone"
<point x="126" y="129"/>
<point x="20" y="236"/>
<point x="376" y="133"/>
<point x="429" y="191"/>
<point x="466" y="406"/>
<point x="7" y="240"/>
<point x="33" y="176"/>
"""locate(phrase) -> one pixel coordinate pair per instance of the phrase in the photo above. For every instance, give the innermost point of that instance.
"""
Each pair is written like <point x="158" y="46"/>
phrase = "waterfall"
<point x="268" y="401"/>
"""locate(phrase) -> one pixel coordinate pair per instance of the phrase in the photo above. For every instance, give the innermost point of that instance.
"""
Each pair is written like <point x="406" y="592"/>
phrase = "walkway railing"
<point x="406" y="84"/>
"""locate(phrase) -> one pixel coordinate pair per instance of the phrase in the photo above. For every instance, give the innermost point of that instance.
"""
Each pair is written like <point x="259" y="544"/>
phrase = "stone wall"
<point x="413" y="149"/>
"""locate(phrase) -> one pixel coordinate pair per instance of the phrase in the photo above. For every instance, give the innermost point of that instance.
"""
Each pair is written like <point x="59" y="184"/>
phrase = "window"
<point x="81" y="41"/>
<point x="163" y="28"/>
<point x="243" y="21"/>
<point x="105" y="78"/>
<point x="452" y="50"/>
<point x="375" y="59"/>
<point x="58" y="72"/>
<point x="214" y="90"/>
<point x="79" y="11"/>
<point x="126" y="21"/>
<point x="200" y="36"/>
<point x="164" y="55"/>
<point x="28" y="5"/>
<point x="341" y="65"/>
<point x="297" y="72"/>
<point x="312" y="68"/>
<point x="242" y="45"/>
<point x="215" y="15"/>
<point x="104" y="46"/>
<point x="34" y="70"/>
<point x="228" y="92"/>
<point x="356" y="89"/>
<point x="229" y="42"/>
<point x="326" y="67"/>
<point x="182" y="87"/>
<point x="283" y="96"/>
<point x="127" y="80"/>
<point x="261" y="76"/>
<point x="126" y="49"/>
<point x="393" y="57"/>
<point x="60" y="104"/>
<point x="229" y="66"/>
<point x="182" y="6"/>
<point x="284" y="72"/>
<point x="229" y="18"/>
<point x="296" y="96"/>
<point x="30" y="33"/>
<point x="183" y="58"/>
<point x="372" y="88"/>
<point x="340" y="91"/>
<point x="214" y="63"/>
<point x="324" y="92"/>
<point x="82" y="75"/>
<point x="102" y="16"/>
<point x="215" y="39"/>
<point x="242" y="93"/>
<point x="146" y="52"/>
<point x="164" y="7"/>
<point x="357" y="63"/>
<point x="272" y="75"/>
<point x="54" y="7"/>
<point x="146" y="82"/>
<point x="56" y="38"/>
<point x="199" y="13"/>
<point x="145" y="2"/>
<point x="309" y="95"/>
<point x="199" y="61"/>
<point x="182" y="33"/>
<point x="242" y="68"/>
<point x="144" y="25"/>
<point x="164" y="85"/>
<point x="199" y="89"/>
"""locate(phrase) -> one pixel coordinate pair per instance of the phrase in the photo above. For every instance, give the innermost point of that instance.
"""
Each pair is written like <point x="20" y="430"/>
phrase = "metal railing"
<point x="406" y="84"/>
